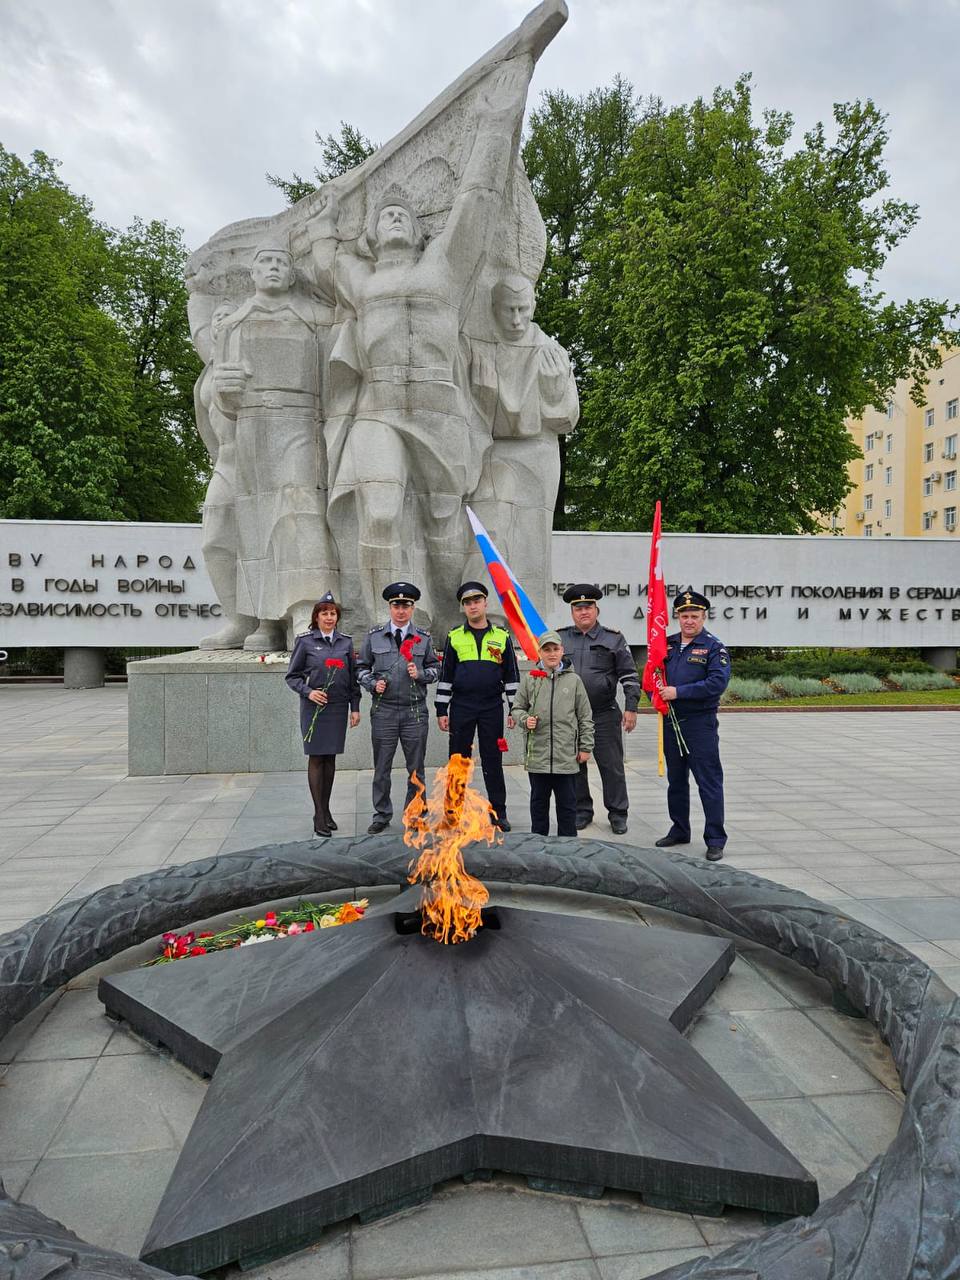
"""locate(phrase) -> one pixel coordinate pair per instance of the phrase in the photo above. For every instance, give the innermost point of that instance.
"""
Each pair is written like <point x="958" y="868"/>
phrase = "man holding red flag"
<point x="697" y="669"/>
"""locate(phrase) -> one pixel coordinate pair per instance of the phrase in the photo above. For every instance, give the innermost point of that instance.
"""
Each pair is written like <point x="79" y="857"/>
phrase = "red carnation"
<point x="198" y="951"/>
<point x="503" y="744"/>
<point x="334" y="662"/>
<point x="309" y="927"/>
<point x="406" y="648"/>
<point x="538" y="674"/>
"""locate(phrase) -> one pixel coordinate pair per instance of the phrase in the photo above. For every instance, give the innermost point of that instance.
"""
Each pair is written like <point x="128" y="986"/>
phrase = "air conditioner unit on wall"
<point x="878" y="435"/>
<point x="935" y="475"/>
<point x="859" y="515"/>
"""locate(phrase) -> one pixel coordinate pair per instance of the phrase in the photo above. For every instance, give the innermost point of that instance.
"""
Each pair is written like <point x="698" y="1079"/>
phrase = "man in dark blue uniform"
<point x="602" y="659"/>
<point x="697" y="670"/>
<point x="479" y="669"/>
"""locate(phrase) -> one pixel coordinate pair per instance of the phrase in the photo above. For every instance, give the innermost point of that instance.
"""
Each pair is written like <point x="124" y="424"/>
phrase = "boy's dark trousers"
<point x="564" y="787"/>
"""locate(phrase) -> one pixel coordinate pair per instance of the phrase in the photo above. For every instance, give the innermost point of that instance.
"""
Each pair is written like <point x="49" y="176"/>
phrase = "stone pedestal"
<point x="223" y="711"/>
<point x="83" y="668"/>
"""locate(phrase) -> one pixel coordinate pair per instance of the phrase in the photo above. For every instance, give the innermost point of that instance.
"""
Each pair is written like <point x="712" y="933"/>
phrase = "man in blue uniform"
<point x="479" y="669"/>
<point x="697" y="670"/>
<point x="602" y="659"/>
<point x="398" y="685"/>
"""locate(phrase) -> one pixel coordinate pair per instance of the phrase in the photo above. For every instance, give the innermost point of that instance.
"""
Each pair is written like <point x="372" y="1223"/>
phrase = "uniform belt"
<point x="408" y="373"/>
<point x="305" y="402"/>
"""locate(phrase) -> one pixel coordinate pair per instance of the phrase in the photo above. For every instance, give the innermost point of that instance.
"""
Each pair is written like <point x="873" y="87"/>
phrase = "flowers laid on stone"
<point x="273" y="657"/>
<point x="305" y="918"/>
<point x="333" y="665"/>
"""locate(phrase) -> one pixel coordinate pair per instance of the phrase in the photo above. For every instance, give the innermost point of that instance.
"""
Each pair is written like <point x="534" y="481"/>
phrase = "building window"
<point x="950" y="446"/>
<point x="928" y="417"/>
<point x="888" y="476"/>
<point x="950" y="480"/>
<point x="868" y="502"/>
<point x="950" y="518"/>
<point x="927" y="486"/>
<point x="889" y="444"/>
<point x="928" y="520"/>
<point x="868" y="443"/>
<point x="953" y="409"/>
<point x="868" y="473"/>
<point x="928" y="451"/>
<point x="889" y="408"/>
<point x="868" y="530"/>
<point x="887" y="509"/>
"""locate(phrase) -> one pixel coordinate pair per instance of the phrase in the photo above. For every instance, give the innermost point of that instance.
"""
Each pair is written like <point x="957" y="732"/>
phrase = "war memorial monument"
<point x="372" y="365"/>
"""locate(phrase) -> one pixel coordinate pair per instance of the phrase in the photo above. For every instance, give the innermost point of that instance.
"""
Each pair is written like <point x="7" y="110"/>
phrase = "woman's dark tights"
<point x="320" y="774"/>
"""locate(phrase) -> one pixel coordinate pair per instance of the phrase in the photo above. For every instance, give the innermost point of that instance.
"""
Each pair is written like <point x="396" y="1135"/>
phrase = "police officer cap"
<point x="401" y="592"/>
<point x="327" y="598"/>
<point x="582" y="593"/>
<point x="690" y="599"/>
<point x="471" y="589"/>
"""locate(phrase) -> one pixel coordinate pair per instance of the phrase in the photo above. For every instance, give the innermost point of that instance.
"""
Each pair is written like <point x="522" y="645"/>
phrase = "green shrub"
<point x="855" y="682"/>
<point x="740" y="690"/>
<point x="818" y="664"/>
<point x="800" y="686"/>
<point x="922" y="680"/>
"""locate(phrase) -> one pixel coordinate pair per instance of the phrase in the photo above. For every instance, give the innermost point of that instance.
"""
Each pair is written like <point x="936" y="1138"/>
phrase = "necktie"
<point x="398" y="636"/>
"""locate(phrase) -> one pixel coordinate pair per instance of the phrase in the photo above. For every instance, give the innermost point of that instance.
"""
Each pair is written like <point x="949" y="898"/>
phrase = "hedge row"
<point x="746" y="689"/>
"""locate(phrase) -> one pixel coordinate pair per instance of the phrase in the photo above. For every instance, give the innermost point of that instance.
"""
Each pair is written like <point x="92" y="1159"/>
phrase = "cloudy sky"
<point x="176" y="108"/>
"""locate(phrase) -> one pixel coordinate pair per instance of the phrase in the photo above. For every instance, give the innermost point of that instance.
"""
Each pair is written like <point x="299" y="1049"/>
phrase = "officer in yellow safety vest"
<point x="479" y="670"/>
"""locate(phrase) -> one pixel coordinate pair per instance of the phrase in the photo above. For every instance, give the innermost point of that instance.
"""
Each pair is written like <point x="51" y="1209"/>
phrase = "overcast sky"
<point x="176" y="108"/>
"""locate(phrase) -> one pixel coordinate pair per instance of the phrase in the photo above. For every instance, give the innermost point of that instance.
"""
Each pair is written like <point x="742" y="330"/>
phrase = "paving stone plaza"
<point x="858" y="809"/>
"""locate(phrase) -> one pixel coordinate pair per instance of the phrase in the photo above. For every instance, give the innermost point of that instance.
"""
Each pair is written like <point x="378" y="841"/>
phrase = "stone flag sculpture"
<point x="371" y="365"/>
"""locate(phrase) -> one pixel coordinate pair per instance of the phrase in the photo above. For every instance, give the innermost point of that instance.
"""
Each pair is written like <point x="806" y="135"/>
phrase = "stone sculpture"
<point x="361" y="430"/>
<point x="523" y="387"/>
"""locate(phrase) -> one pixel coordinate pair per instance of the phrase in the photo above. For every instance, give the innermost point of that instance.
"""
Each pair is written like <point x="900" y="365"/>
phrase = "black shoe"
<point x="714" y="852"/>
<point x="667" y="842"/>
<point x="377" y="825"/>
<point x="330" y="823"/>
<point x="502" y="823"/>
<point x="319" y="829"/>
<point x="618" y="826"/>
<point x="584" y="820"/>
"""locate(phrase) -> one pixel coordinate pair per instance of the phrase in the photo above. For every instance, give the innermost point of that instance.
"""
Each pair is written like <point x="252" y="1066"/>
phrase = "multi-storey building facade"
<point x="906" y="483"/>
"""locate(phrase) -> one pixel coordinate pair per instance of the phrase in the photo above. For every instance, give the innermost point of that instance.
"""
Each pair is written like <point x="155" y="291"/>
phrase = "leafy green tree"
<point x="96" y="371"/>
<point x="573" y="153"/>
<point x="733" y="319"/>
<point x="166" y="456"/>
<point x="66" y="405"/>
<point x="339" y="153"/>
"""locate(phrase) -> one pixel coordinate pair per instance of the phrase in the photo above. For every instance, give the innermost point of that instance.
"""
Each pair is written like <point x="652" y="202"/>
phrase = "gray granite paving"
<point x="857" y="809"/>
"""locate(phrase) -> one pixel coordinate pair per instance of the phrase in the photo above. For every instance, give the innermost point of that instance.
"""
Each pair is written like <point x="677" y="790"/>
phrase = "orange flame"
<point x="454" y="815"/>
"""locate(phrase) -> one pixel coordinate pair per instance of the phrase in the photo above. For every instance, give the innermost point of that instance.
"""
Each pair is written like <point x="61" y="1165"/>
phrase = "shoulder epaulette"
<point x="613" y="630"/>
<point x="381" y="627"/>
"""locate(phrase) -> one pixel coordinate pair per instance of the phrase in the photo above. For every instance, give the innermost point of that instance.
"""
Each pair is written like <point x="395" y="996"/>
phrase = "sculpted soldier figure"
<point x="266" y="376"/>
<point x="402" y="461"/>
<point x="218" y="430"/>
<point x="523" y="387"/>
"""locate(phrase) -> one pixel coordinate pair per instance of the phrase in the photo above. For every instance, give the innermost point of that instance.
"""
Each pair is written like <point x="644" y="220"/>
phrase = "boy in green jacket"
<point x="552" y="705"/>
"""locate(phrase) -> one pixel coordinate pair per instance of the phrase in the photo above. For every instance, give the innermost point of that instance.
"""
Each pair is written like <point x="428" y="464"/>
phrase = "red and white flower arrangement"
<point x="303" y="919"/>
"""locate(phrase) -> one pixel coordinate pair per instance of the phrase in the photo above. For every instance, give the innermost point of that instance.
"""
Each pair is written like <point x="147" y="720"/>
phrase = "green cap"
<point x="549" y="637"/>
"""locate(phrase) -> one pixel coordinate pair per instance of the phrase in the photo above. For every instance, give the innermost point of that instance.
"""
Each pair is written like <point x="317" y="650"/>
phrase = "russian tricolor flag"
<point x="522" y="617"/>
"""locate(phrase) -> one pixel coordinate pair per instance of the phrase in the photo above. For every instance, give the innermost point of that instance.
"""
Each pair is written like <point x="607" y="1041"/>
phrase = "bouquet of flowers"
<point x="333" y="665"/>
<point x="307" y="917"/>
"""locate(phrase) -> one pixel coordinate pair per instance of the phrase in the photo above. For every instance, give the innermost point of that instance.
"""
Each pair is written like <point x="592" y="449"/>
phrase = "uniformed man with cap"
<point x="697" y="668"/>
<point x="398" y="685"/>
<point x="602" y="659"/>
<point x="479" y="670"/>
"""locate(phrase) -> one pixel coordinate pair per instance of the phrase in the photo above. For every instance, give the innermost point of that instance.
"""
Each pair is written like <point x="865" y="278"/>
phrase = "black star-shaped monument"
<point x="355" y="1068"/>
